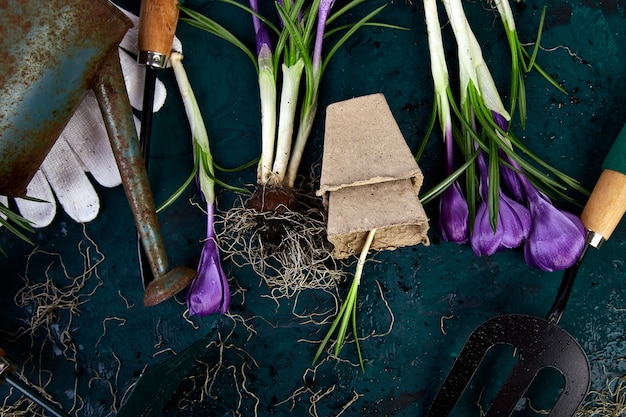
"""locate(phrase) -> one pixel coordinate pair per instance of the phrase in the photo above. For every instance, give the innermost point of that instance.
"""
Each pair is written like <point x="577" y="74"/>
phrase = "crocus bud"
<point x="513" y="225"/>
<point x="557" y="238"/>
<point x="322" y="16"/>
<point x="453" y="215"/>
<point x="511" y="178"/>
<point x="209" y="292"/>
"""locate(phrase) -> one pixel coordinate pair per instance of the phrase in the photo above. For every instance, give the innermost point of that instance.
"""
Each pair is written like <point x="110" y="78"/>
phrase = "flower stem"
<point x="267" y="91"/>
<point x="287" y="114"/>
<point x="202" y="149"/>
<point x="347" y="312"/>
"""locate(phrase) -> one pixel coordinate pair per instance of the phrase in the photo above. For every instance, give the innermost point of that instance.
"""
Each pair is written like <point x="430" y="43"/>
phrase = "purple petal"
<point x="513" y="227"/>
<point x="515" y="220"/>
<point x="484" y="240"/>
<point x="557" y="237"/>
<point x="263" y="40"/>
<point x="453" y="215"/>
<point x="511" y="179"/>
<point x="209" y="291"/>
<point x="262" y="33"/>
<point x="254" y="5"/>
<point x="322" y="16"/>
<point x="500" y="121"/>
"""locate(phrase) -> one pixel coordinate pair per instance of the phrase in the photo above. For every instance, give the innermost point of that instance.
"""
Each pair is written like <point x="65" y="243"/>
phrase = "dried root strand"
<point x="229" y="363"/>
<point x="288" y="249"/>
<point x="49" y="299"/>
<point x="609" y="401"/>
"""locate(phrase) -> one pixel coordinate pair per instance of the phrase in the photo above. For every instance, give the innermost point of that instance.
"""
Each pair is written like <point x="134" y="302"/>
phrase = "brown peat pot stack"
<point x="369" y="179"/>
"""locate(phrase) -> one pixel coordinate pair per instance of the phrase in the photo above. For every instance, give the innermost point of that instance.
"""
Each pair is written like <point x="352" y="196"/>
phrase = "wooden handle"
<point x="607" y="204"/>
<point x="157" y="26"/>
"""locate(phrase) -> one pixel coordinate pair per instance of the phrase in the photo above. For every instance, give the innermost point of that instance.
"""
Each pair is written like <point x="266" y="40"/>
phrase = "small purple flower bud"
<point x="263" y="39"/>
<point x="254" y="5"/>
<point x="500" y="120"/>
<point x="453" y="215"/>
<point x="322" y="16"/>
<point x="511" y="179"/>
<point x="513" y="226"/>
<point x="260" y="29"/>
<point x="557" y="238"/>
<point x="209" y="292"/>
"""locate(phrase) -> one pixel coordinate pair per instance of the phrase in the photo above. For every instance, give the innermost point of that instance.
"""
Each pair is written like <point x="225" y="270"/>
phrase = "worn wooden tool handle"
<point x="607" y="203"/>
<point x="157" y="25"/>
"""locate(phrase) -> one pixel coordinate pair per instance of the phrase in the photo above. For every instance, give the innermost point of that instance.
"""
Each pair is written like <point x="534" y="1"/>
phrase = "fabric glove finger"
<point x="70" y="184"/>
<point x="88" y="138"/>
<point x="39" y="213"/>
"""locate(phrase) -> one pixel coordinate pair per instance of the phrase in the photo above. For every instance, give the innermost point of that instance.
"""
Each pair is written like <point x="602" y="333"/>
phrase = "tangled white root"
<point x="288" y="250"/>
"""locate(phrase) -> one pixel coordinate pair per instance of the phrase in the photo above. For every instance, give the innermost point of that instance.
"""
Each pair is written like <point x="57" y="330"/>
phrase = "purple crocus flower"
<point x="557" y="238"/>
<point x="453" y="215"/>
<point x="453" y="208"/>
<point x="209" y="291"/>
<point x="513" y="224"/>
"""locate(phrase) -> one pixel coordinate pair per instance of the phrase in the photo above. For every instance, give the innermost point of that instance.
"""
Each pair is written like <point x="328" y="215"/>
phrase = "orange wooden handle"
<point x="157" y="25"/>
<point x="607" y="204"/>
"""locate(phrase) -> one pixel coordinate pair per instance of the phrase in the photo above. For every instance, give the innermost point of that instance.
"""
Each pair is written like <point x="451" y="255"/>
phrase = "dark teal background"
<point x="585" y="47"/>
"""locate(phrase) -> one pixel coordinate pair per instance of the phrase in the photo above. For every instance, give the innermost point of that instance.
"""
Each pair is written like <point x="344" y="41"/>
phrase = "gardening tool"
<point x="53" y="52"/>
<point x="541" y="343"/>
<point x="155" y="386"/>
<point x="7" y="367"/>
<point x="157" y="27"/>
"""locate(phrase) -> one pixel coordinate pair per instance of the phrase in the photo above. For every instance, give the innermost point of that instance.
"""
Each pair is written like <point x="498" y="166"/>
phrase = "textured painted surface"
<point x="437" y="294"/>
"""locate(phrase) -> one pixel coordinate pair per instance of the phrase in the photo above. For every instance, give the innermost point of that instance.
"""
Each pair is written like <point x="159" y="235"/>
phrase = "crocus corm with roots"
<point x="287" y="113"/>
<point x="283" y="237"/>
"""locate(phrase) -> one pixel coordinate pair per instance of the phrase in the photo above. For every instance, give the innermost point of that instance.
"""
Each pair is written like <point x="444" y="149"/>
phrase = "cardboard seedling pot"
<point x="369" y="179"/>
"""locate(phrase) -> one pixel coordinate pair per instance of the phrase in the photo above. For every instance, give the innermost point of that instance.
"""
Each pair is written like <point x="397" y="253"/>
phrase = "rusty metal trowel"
<point x="541" y="343"/>
<point x="156" y="386"/>
<point x="52" y="53"/>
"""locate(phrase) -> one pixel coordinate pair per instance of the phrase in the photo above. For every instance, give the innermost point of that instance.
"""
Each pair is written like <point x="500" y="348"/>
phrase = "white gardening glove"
<point x="84" y="147"/>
